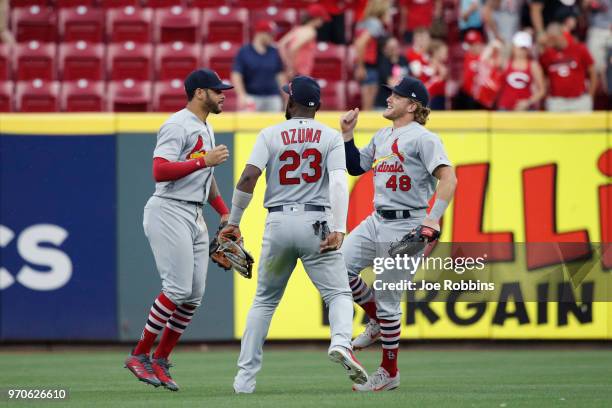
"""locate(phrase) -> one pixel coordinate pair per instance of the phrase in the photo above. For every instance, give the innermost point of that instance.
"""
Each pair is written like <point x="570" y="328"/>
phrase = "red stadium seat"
<point x="82" y="24"/>
<point x="109" y="4"/>
<point x="27" y="3"/>
<point x="208" y="3"/>
<point x="176" y="61"/>
<point x="353" y="95"/>
<point x="6" y="96"/>
<point x="37" y="96"/>
<point x="74" y="3"/>
<point x="231" y="101"/>
<point x="5" y="62"/>
<point x="169" y="96"/>
<point x="177" y="24"/>
<point x="35" y="60"/>
<point x="298" y="4"/>
<point x="254" y="4"/>
<point x="333" y="95"/>
<point x="34" y="24"/>
<point x="225" y="24"/>
<point x="220" y="57"/>
<point x="83" y="96"/>
<point x="129" y="24"/>
<point x="129" y="96"/>
<point x="285" y="19"/>
<point x="162" y="3"/>
<point x="81" y="61"/>
<point x="329" y="62"/>
<point x="130" y="61"/>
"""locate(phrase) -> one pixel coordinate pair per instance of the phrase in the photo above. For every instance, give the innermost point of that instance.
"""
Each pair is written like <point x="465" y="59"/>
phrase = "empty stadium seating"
<point x="6" y="96"/>
<point x="285" y="19"/>
<point x="225" y="24"/>
<point x="129" y="24"/>
<point x="5" y="62"/>
<point x="130" y="61"/>
<point x="176" y="60"/>
<point x="34" y="23"/>
<point x="37" y="96"/>
<point x="330" y="62"/>
<point x="220" y="57"/>
<point x="177" y="24"/>
<point x="83" y="96"/>
<point x="82" y="24"/>
<point x="333" y="94"/>
<point x="35" y="60"/>
<point x="81" y="60"/>
<point x="169" y="96"/>
<point x="129" y="96"/>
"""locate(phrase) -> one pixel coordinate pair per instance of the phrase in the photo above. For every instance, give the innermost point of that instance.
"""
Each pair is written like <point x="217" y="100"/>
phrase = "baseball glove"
<point x="229" y="254"/>
<point x="413" y="242"/>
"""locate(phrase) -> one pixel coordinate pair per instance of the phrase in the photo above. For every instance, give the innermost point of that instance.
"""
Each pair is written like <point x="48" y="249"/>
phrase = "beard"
<point x="212" y="106"/>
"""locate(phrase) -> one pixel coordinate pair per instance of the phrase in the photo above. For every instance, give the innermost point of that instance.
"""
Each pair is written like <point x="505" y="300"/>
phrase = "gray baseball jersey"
<point x="298" y="155"/>
<point x="403" y="161"/>
<point x="182" y="137"/>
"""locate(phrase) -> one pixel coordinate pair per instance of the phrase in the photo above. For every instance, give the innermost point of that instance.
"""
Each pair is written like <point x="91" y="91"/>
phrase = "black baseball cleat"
<point x="161" y="368"/>
<point x="140" y="366"/>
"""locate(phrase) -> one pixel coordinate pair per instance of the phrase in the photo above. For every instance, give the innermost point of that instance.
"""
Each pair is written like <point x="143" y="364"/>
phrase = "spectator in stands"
<point x="368" y="34"/>
<point x="543" y="12"/>
<point x="392" y="67"/>
<point x="522" y="83"/>
<point x="567" y="66"/>
<point x="5" y="34"/>
<point x="502" y="18"/>
<point x="470" y="16"/>
<point x="297" y="47"/>
<point x="417" y="14"/>
<point x="599" y="35"/>
<point x="487" y="80"/>
<point x="436" y="85"/>
<point x="418" y="55"/>
<point x="475" y="46"/>
<point x="257" y="73"/>
<point x="333" y="30"/>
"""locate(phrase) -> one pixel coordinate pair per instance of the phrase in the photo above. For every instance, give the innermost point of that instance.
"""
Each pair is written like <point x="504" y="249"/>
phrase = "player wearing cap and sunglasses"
<point x="183" y="166"/>
<point x="407" y="160"/>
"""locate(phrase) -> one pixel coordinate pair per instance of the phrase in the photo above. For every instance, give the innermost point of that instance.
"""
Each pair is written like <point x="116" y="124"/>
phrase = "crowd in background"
<point x="508" y="55"/>
<point x="517" y="54"/>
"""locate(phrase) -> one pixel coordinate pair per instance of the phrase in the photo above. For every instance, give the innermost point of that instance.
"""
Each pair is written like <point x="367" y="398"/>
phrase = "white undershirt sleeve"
<point x="338" y="199"/>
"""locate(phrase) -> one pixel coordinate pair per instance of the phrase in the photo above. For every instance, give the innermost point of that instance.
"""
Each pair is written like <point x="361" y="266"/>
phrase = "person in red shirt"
<point x="436" y="85"/>
<point x="567" y="66"/>
<point x="522" y="83"/>
<point x="368" y="34"/>
<point x="475" y="45"/>
<point x="418" y="55"/>
<point x="417" y="14"/>
<point x="487" y="80"/>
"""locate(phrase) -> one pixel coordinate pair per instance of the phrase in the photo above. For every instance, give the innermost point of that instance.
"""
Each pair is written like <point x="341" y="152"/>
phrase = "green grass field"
<point x="305" y="378"/>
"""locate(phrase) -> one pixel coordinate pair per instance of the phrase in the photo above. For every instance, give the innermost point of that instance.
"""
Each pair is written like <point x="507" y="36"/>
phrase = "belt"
<point x="307" y="207"/>
<point x="393" y="214"/>
<point x="196" y="203"/>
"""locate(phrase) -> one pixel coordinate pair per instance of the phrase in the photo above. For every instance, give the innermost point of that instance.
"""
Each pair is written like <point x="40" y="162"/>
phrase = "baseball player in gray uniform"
<point x="183" y="167"/>
<point x="407" y="160"/>
<point x="307" y="201"/>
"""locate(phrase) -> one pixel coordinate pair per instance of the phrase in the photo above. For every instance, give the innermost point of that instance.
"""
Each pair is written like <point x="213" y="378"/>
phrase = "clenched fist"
<point x="216" y="156"/>
<point x="348" y="122"/>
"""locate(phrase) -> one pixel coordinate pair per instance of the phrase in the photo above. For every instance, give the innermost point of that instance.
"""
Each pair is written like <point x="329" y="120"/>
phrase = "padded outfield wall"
<point x="76" y="265"/>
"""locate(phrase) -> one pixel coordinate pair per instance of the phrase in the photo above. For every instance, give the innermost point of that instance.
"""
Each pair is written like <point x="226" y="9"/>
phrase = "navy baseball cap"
<point x="410" y="87"/>
<point x="205" y="79"/>
<point x="304" y="90"/>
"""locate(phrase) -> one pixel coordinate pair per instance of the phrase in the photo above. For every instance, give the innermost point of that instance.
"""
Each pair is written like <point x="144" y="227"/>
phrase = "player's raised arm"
<point x="357" y="162"/>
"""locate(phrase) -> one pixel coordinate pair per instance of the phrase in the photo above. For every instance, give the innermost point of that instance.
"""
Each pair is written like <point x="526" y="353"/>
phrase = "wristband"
<point x="437" y="211"/>
<point x="219" y="205"/>
<point x="240" y="201"/>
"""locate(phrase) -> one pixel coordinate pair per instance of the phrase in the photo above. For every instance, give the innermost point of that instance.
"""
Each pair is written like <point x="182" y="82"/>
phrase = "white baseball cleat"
<point x="368" y="337"/>
<point x="379" y="381"/>
<point x="353" y="367"/>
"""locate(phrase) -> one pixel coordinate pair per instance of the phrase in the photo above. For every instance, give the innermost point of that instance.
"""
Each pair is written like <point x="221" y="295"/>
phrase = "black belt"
<point x="196" y="203"/>
<point x="307" y="207"/>
<point x="393" y="214"/>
